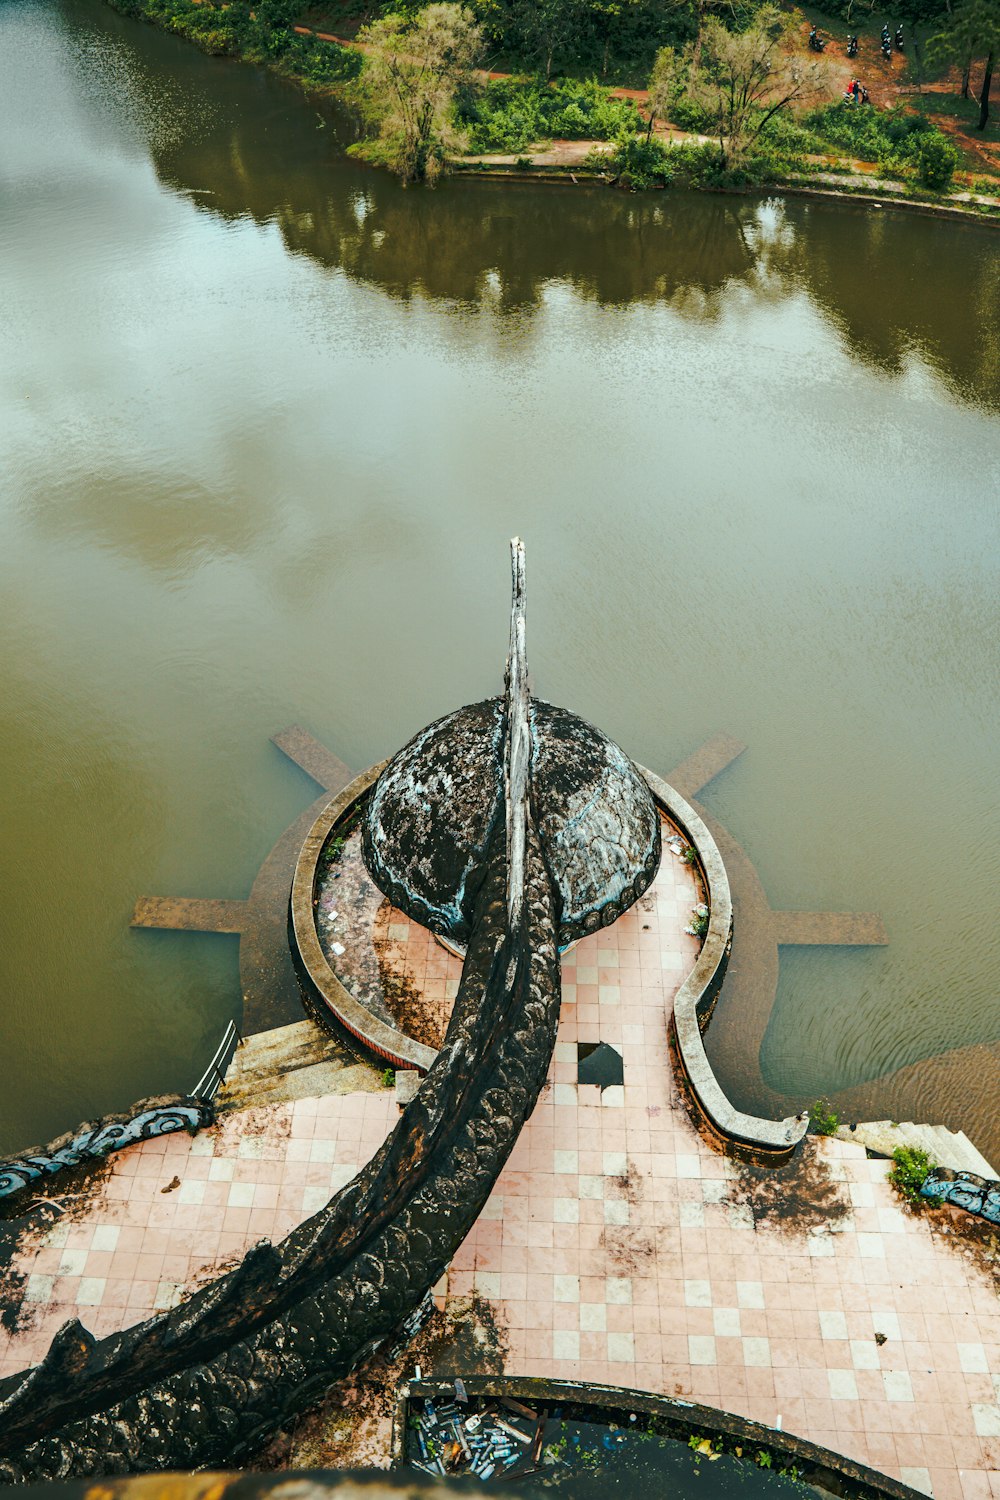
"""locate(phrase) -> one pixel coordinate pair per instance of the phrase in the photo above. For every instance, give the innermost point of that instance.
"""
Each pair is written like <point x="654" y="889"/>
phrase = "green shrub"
<point x="936" y="162"/>
<point x="908" y="1173"/>
<point x="894" y="138"/>
<point x="510" y="114"/>
<point x="687" y="115"/>
<point x="639" y="163"/>
<point x="822" y="1119"/>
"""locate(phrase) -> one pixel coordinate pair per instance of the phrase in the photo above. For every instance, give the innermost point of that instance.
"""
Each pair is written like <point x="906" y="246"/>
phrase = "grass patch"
<point x="954" y="107"/>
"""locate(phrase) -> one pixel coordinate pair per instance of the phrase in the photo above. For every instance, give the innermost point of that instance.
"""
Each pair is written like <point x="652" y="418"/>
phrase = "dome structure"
<point x="430" y="815"/>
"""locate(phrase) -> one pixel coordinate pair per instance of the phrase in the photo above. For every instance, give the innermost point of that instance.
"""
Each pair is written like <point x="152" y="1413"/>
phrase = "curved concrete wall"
<point x="399" y="1050"/>
<point x="697" y="995"/>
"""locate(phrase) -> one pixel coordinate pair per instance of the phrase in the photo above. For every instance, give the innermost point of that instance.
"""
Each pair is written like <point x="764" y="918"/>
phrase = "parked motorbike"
<point x="899" y="39"/>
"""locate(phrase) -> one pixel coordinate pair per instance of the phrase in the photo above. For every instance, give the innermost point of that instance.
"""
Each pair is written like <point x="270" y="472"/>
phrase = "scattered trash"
<point x="489" y="1444"/>
<point x="337" y="948"/>
<point x="676" y="845"/>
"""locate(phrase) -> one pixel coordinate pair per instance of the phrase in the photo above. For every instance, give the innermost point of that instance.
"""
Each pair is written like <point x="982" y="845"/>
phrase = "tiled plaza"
<point x="617" y="1245"/>
<point x="174" y="1212"/>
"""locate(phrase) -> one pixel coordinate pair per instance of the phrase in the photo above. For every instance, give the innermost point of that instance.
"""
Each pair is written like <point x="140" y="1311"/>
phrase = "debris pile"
<point x="501" y="1438"/>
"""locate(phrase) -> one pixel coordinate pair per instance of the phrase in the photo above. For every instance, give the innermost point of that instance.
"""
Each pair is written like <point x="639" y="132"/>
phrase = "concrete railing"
<point x="696" y="997"/>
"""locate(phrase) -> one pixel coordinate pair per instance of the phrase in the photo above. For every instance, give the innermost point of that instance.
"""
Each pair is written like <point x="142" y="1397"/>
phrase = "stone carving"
<point x="428" y="818"/>
<point x="980" y="1195"/>
<point x="209" y="1380"/>
<point x="91" y="1142"/>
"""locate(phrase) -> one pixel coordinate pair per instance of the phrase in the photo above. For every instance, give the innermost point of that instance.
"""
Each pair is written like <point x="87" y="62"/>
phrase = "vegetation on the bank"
<point x="262" y="32"/>
<point x="902" y="143"/>
<point x="909" y="1171"/>
<point x="736" y="80"/>
<point x="509" y="115"/>
<point x="733" y="74"/>
<point x="415" y="64"/>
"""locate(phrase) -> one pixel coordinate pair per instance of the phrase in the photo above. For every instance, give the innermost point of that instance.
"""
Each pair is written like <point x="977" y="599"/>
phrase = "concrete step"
<point x="300" y="1061"/>
<point x="947" y="1148"/>
<point x="976" y="1161"/>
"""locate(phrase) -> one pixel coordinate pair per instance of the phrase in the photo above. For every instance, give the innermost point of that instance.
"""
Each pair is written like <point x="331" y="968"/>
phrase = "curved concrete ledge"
<point x="671" y="1417"/>
<point x="697" y="995"/>
<point x="394" y="1046"/>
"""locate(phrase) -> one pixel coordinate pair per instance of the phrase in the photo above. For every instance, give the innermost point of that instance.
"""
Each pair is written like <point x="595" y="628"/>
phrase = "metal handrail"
<point x="214" y="1075"/>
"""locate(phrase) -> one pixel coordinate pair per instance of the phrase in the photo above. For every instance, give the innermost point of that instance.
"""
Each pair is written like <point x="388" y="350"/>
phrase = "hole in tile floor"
<point x="600" y="1063"/>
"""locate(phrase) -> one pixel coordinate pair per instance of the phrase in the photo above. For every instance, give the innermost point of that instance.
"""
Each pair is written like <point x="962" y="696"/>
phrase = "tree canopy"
<point x="414" y="66"/>
<point x="972" y="30"/>
<point x="738" y="79"/>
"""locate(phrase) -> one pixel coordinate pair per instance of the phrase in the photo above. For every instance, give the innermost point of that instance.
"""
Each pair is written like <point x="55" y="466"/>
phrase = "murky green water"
<point x="268" y="423"/>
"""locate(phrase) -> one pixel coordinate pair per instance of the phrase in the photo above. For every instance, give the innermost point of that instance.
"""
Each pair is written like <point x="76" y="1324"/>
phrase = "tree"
<point x="535" y="31"/>
<point x="414" y="66"/>
<point x="738" y="11"/>
<point x="739" y="79"/>
<point x="973" y="30"/>
<point x="608" y="19"/>
<point x="984" y="93"/>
